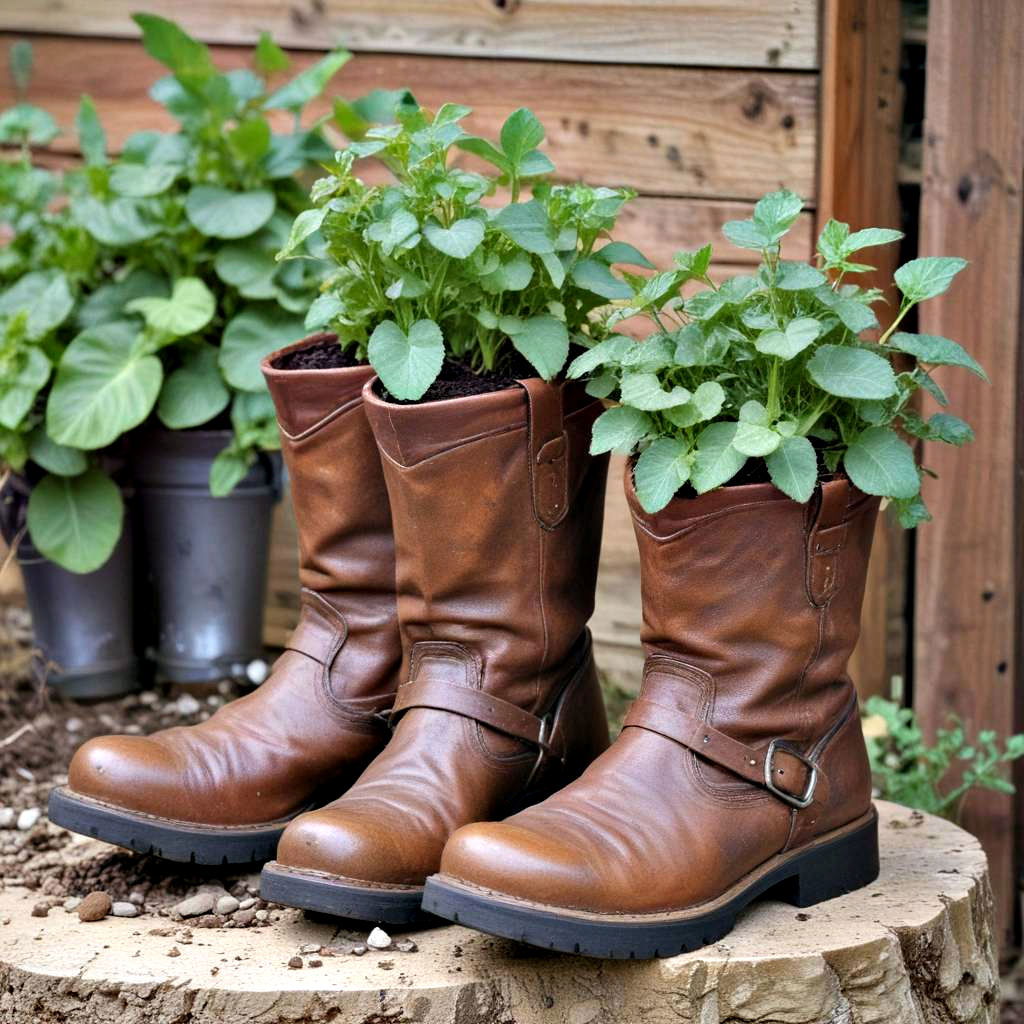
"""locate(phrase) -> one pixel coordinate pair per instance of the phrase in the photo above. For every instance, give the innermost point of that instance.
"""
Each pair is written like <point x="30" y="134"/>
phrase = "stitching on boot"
<point x="324" y="421"/>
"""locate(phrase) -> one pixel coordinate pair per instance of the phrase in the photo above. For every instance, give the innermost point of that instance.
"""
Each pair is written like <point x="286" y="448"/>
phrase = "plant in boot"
<point x="424" y="270"/>
<point x="775" y="366"/>
<point x="918" y="774"/>
<point x="195" y="299"/>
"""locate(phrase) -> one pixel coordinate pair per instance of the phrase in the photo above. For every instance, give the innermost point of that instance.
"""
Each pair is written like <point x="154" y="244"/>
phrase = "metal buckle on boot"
<point x="806" y="798"/>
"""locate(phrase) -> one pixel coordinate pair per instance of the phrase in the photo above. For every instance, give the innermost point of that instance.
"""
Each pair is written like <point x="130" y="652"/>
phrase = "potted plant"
<point x="60" y="509"/>
<point x="466" y="302"/>
<point x="171" y="350"/>
<point x="767" y="376"/>
<point x="766" y="428"/>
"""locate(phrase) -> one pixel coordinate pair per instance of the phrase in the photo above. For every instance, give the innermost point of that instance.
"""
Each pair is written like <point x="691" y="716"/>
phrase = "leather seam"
<point x="324" y="421"/>
<point x="699" y="521"/>
<point x="462" y="443"/>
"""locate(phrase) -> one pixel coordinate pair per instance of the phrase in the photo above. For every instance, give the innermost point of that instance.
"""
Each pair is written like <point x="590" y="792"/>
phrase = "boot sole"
<point x="831" y="866"/>
<point x="178" y="841"/>
<point x="341" y="897"/>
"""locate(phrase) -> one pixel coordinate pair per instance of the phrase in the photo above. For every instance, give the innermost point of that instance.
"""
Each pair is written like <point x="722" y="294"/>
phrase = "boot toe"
<point x="350" y="846"/>
<point x="131" y="772"/>
<point x="511" y="860"/>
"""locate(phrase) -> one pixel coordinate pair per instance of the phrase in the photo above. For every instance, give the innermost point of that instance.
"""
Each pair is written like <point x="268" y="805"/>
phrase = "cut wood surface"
<point x="664" y="131"/>
<point x="967" y="639"/>
<point x="717" y="33"/>
<point x="914" y="947"/>
<point x="861" y="115"/>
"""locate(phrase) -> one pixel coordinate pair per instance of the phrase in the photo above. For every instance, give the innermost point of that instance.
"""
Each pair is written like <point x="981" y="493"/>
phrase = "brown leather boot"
<point x="741" y="767"/>
<point x="223" y="790"/>
<point x="497" y="510"/>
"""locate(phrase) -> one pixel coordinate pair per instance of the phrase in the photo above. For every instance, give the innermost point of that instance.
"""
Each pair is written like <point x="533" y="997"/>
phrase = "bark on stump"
<point x="916" y="947"/>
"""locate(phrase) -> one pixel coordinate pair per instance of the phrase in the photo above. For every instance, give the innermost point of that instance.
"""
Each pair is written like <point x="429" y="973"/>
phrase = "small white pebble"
<point x="186" y="704"/>
<point x="310" y="947"/>
<point x="248" y="903"/>
<point x="122" y="908"/>
<point x="262" y="915"/>
<point x="148" y="697"/>
<point x="73" y="725"/>
<point x="136" y="897"/>
<point x="378" y="939"/>
<point x="226" y="905"/>
<point x="28" y="818"/>
<point x="71" y="903"/>
<point x="215" y="700"/>
<point x="7" y="817"/>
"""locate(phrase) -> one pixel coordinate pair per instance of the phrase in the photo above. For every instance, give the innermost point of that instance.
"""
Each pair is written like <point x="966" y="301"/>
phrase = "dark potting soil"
<point x="324" y="355"/>
<point x="457" y="380"/>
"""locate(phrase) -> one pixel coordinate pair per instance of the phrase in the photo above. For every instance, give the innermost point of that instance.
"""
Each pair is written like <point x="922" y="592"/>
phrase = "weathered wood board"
<point x="664" y="131"/>
<point x="714" y="33"/>
<point x="967" y="639"/>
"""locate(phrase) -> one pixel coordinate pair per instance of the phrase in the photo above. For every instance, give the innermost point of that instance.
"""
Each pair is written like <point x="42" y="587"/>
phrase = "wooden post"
<point x="861" y="114"/>
<point x="968" y="563"/>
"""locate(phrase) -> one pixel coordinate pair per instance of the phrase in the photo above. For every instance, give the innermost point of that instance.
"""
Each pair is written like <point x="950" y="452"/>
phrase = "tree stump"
<point x="916" y="947"/>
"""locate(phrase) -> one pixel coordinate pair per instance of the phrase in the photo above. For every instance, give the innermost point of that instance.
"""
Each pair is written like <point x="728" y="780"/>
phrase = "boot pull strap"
<point x="485" y="708"/>
<point x="783" y="771"/>
<point x="549" y="454"/>
<point x="826" y="539"/>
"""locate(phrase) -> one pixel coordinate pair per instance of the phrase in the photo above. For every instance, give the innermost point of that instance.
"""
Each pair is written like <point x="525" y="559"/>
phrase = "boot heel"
<point x="834" y="868"/>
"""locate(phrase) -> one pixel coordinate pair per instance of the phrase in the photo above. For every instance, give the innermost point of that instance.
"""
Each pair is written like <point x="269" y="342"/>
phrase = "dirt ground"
<point x="38" y="734"/>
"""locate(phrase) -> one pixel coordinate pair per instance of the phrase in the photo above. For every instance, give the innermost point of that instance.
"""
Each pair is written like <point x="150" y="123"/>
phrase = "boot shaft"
<point x="497" y="508"/>
<point x="762" y="597"/>
<point x="346" y="547"/>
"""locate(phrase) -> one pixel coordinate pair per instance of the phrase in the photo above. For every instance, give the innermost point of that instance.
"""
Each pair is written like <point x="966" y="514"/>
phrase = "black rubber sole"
<point x="826" y="870"/>
<point x="327" y="894"/>
<point x="172" y="840"/>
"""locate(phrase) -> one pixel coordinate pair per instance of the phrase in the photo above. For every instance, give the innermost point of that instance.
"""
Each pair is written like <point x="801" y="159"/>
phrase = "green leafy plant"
<point x="424" y="269"/>
<point x="775" y="365"/>
<point x="912" y="772"/>
<point x="194" y="298"/>
<point x="47" y="266"/>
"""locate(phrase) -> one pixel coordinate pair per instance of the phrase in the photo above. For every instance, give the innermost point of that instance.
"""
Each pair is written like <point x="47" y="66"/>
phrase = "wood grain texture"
<point x="716" y="33"/>
<point x="861" y="110"/>
<point x="968" y="566"/>
<point x="664" y="131"/>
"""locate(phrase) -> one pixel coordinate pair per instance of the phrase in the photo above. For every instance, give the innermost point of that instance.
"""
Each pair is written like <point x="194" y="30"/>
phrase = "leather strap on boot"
<point x="549" y="476"/>
<point x="783" y="771"/>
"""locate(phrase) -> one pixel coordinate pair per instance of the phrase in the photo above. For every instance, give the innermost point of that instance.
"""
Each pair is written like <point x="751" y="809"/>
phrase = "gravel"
<point x="28" y="818"/>
<point x="226" y="905"/>
<point x="378" y="939"/>
<point x="196" y="906"/>
<point x="122" y="908"/>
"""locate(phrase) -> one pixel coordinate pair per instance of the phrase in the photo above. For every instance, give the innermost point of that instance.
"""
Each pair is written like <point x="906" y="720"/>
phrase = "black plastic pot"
<point x="84" y="625"/>
<point x="207" y="557"/>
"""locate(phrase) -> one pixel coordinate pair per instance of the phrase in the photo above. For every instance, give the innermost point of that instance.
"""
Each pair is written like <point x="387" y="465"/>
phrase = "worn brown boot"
<point x="497" y="510"/>
<point x="741" y="767"/>
<point x="223" y="790"/>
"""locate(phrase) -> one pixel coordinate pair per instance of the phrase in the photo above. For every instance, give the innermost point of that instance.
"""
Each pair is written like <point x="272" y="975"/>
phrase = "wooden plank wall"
<point x="967" y="642"/>
<point x="700" y="106"/>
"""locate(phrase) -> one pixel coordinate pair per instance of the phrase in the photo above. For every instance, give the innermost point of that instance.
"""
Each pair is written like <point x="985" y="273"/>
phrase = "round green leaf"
<point x="619" y="429"/>
<point x="248" y="337"/>
<point x="194" y="393"/>
<point x="644" y="391"/>
<point x="717" y="460"/>
<point x="118" y="222"/>
<point x="103" y="387"/>
<point x="660" y="471"/>
<point x="53" y="457"/>
<point x="228" y="468"/>
<point x="544" y="341"/>
<point x="18" y="392"/>
<point x="44" y="295"/>
<point x="76" y="521"/>
<point x="792" y="341"/>
<point x="139" y="181"/>
<point x="407" y="364"/>
<point x="189" y="309"/>
<point x="221" y="213"/>
<point x="880" y="462"/>
<point x="851" y="372"/>
<point x="793" y="467"/>
<point x="458" y="241"/>
<point x="248" y="269"/>
<point x="755" y="440"/>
